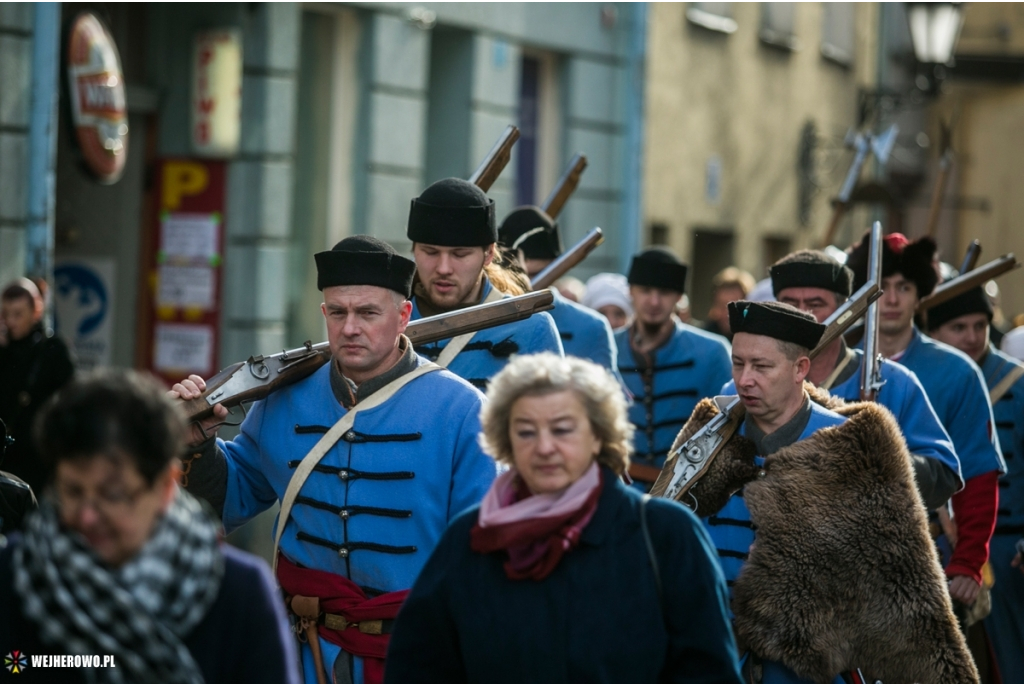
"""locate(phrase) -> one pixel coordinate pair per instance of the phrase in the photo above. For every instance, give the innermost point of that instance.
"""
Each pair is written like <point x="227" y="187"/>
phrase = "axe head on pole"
<point x="882" y="144"/>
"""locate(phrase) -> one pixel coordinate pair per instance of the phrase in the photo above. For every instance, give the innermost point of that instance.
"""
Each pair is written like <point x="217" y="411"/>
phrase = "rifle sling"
<point x="827" y="383"/>
<point x="332" y="436"/>
<point x="997" y="392"/>
<point x="456" y="344"/>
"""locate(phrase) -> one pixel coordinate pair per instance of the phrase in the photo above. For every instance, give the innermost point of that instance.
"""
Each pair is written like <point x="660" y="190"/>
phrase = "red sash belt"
<point x="339" y="595"/>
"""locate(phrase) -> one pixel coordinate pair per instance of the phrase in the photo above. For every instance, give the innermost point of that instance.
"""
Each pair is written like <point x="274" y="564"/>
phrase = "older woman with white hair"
<point x="563" y="573"/>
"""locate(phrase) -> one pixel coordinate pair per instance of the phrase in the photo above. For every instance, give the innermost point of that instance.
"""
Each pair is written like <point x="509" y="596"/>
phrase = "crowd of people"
<point x="476" y="509"/>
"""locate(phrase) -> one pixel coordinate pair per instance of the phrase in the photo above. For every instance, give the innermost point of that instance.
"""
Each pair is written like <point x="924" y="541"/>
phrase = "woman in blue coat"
<point x="563" y="573"/>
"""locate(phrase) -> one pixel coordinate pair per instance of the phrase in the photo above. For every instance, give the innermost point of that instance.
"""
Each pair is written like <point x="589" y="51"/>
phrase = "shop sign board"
<point x="99" y="109"/>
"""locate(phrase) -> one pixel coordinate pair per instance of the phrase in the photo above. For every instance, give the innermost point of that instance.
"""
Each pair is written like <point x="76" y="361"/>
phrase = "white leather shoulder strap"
<point x="332" y="436"/>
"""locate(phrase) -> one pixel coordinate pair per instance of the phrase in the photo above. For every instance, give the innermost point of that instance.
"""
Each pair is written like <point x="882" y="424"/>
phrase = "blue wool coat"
<point x="1004" y="624"/>
<point x="957" y="391"/>
<point x="732" y="534"/>
<point x="490" y="349"/>
<point x="596" y="618"/>
<point x="378" y="502"/>
<point x="903" y="395"/>
<point x="585" y="333"/>
<point x="690" y="366"/>
<point x="244" y="637"/>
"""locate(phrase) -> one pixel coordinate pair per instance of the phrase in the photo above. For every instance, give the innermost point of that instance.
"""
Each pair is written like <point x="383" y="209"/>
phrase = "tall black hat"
<point x="364" y="260"/>
<point x="811" y="269"/>
<point x="973" y="301"/>
<point x="452" y="213"/>
<point x="899" y="255"/>
<point x="658" y="268"/>
<point x="531" y="230"/>
<point x="775" y="320"/>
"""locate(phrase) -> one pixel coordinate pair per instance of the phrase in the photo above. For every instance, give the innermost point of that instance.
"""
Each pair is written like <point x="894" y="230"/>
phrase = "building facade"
<point x="747" y="107"/>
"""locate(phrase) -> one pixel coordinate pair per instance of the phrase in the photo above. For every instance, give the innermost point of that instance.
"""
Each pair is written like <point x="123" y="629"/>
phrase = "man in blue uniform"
<point x="770" y="347"/>
<point x="963" y="322"/>
<point x="667" y="365"/>
<point x="359" y="450"/>
<point x="957" y="391"/>
<point x="530" y="234"/>
<point x="451" y="226"/>
<point x="814" y="282"/>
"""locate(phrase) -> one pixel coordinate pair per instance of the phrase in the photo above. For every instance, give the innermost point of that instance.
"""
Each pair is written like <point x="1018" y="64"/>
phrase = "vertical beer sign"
<point x="98" y="107"/>
<point x="185" y="265"/>
<point x="217" y="92"/>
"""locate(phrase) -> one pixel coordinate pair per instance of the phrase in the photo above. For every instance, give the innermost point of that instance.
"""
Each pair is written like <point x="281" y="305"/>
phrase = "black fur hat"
<point x="811" y="269"/>
<point x="364" y="260"/>
<point x="531" y="230"/>
<point x="775" y="320"/>
<point x="658" y="268"/>
<point x="899" y="255"/>
<point x="452" y="213"/>
<point x="973" y="301"/>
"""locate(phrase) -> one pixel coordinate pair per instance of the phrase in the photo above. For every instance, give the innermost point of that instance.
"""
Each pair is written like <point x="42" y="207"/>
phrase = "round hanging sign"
<point x="98" y="108"/>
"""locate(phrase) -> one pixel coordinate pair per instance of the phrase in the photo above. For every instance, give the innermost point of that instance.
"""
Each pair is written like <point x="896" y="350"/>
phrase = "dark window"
<point x="659" y="233"/>
<point x="712" y="252"/>
<point x="526" y="148"/>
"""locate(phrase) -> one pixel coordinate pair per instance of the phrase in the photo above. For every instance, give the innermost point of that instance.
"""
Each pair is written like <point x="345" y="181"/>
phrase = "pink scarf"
<point x="535" y="530"/>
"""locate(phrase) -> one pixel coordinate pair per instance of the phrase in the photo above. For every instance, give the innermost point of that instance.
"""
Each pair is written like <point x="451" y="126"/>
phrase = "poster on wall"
<point x="184" y="266"/>
<point x="83" y="298"/>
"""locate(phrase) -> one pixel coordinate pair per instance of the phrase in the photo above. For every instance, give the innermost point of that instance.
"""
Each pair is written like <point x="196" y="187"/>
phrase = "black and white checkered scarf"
<point x="139" y="612"/>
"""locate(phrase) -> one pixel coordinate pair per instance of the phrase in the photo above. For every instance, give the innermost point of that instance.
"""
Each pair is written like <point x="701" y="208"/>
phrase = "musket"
<point x="259" y="376"/>
<point x="496" y="160"/>
<point x="863" y="144"/>
<point x="871" y="368"/>
<point x="971" y="279"/>
<point x="576" y="254"/>
<point x="691" y="460"/>
<point x="945" y="163"/>
<point x="971" y="257"/>
<point x="565" y="186"/>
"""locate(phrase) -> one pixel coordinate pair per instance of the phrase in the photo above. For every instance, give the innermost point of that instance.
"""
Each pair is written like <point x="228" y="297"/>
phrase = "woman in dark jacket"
<point x="122" y="571"/>
<point x="563" y="574"/>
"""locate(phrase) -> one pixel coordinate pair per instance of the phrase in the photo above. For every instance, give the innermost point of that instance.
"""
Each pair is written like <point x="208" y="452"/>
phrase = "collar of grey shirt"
<point x="349" y="394"/>
<point x="784" y="436"/>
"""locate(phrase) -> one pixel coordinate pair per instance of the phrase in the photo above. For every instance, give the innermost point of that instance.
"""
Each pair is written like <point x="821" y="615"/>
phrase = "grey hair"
<point x="546" y="373"/>
<point x="792" y="350"/>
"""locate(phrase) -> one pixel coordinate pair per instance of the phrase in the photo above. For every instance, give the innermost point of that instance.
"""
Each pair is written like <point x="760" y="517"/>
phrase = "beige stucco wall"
<point x="736" y="98"/>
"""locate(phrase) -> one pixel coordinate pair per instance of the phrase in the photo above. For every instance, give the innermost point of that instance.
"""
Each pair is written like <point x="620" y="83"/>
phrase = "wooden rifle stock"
<point x="259" y="376"/>
<point x="838" y="210"/>
<point x="939" y="193"/>
<point x="496" y="160"/>
<point x="971" y="279"/>
<point x="566" y="186"/>
<point x="576" y="254"/>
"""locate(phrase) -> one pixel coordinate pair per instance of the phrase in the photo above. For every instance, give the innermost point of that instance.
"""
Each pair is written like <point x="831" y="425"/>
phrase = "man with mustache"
<point x="454" y="237"/>
<point x="667" y="365"/>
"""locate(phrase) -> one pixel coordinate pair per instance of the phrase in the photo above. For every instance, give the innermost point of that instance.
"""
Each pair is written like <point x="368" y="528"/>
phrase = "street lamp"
<point x="934" y="29"/>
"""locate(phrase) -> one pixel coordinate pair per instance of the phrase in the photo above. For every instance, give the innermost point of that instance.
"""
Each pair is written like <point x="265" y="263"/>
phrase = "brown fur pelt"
<point x="843" y="574"/>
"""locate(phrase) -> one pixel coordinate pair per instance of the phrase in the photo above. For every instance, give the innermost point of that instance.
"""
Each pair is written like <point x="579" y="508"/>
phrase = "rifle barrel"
<point x="971" y="257"/>
<point x="576" y="254"/>
<point x="975" y="277"/>
<point x="566" y="186"/>
<point x="496" y="160"/>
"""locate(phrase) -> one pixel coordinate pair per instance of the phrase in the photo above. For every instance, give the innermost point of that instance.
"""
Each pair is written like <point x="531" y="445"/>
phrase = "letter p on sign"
<point x="180" y="179"/>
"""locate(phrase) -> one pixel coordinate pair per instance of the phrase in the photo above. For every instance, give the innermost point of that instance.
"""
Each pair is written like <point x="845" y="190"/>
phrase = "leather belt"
<point x="307" y="610"/>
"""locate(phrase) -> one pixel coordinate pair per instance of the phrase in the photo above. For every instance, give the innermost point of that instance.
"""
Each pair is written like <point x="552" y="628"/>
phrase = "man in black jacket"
<point x="34" y="364"/>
